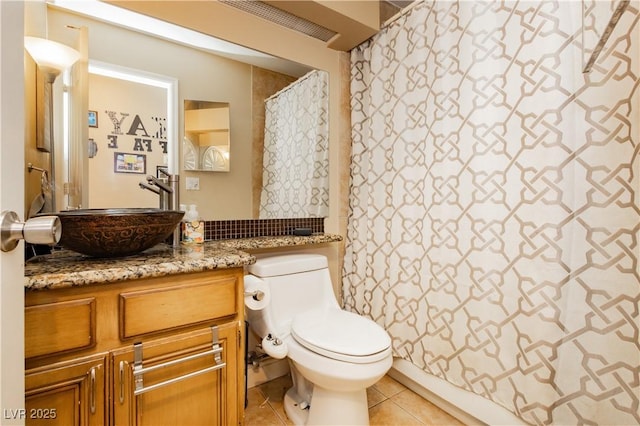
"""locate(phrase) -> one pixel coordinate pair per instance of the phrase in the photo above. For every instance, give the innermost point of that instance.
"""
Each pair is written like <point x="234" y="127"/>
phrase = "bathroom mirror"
<point x="219" y="196"/>
<point x="206" y="142"/>
<point x="599" y="18"/>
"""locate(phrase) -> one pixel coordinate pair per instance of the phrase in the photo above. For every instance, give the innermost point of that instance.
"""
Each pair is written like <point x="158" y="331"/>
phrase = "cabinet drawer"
<point x="192" y="301"/>
<point x="59" y="327"/>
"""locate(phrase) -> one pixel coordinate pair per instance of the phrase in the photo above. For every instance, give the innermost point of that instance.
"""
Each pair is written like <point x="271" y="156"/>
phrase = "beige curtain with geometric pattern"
<point x="495" y="204"/>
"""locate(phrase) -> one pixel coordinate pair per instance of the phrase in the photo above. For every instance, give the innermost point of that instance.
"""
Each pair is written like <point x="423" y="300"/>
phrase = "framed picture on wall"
<point x="129" y="163"/>
<point x="93" y="119"/>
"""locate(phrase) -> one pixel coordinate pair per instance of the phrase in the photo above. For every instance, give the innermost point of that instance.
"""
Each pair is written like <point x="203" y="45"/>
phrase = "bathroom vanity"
<point x="163" y="349"/>
<point x="156" y="338"/>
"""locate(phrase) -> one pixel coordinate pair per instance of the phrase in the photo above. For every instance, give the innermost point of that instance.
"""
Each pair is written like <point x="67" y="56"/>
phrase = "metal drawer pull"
<point x="139" y="370"/>
<point x="177" y="379"/>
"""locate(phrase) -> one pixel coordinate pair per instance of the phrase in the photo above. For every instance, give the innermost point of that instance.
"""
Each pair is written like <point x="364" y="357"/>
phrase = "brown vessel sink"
<point x="115" y="232"/>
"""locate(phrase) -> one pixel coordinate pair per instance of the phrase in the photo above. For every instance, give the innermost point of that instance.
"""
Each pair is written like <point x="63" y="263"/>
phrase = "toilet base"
<point x="328" y="408"/>
<point x="293" y="408"/>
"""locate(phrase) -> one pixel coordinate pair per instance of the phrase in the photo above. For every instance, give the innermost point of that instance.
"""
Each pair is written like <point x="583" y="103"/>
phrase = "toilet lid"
<point x="341" y="335"/>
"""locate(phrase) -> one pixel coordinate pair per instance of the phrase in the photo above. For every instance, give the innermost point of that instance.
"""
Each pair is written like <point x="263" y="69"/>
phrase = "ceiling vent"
<point x="280" y="17"/>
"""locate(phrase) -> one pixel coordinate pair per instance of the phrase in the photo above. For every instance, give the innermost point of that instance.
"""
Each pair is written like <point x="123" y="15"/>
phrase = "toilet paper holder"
<point x="256" y="294"/>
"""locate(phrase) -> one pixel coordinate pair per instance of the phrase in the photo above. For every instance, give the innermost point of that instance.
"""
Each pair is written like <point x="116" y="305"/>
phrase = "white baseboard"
<point x="469" y="408"/>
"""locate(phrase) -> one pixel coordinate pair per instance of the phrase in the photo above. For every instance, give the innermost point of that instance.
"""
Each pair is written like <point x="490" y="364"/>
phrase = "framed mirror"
<point x="206" y="142"/>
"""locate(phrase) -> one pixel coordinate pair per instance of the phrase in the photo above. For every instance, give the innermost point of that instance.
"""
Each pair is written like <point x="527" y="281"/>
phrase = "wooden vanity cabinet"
<point x="67" y="393"/>
<point x="153" y="351"/>
<point x="196" y="399"/>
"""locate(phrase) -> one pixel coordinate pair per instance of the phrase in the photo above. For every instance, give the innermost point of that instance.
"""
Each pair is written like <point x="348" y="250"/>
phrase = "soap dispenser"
<point x="192" y="227"/>
<point x="191" y="214"/>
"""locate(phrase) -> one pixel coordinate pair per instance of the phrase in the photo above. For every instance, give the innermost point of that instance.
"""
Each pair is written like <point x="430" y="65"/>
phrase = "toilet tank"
<point x="297" y="283"/>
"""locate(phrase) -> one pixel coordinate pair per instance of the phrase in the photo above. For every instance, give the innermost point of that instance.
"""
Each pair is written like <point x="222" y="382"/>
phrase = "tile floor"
<point x="390" y="403"/>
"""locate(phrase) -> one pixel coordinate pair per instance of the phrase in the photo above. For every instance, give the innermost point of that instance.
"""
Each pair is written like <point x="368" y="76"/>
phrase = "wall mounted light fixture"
<point x="52" y="58"/>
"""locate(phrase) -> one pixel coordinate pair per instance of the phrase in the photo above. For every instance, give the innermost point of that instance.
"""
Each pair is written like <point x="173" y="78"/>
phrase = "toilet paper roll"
<point x="253" y="285"/>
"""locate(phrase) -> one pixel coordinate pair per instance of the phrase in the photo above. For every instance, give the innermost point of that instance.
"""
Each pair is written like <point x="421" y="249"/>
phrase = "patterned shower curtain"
<point x="295" y="179"/>
<point x="495" y="204"/>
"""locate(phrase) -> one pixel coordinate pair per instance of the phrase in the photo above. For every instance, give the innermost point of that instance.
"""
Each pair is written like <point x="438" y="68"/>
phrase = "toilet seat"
<point x="341" y="335"/>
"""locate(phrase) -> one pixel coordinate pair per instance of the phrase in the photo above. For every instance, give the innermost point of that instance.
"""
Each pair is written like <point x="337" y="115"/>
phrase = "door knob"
<point x="37" y="230"/>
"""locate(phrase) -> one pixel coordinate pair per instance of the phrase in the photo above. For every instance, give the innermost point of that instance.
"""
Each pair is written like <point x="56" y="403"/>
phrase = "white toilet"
<point x="334" y="355"/>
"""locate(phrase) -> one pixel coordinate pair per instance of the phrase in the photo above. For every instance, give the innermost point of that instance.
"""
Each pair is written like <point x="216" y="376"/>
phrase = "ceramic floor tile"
<point x="282" y="415"/>
<point x="274" y="390"/>
<point x="388" y="413"/>
<point x="390" y="404"/>
<point x="388" y="386"/>
<point x="423" y="410"/>
<point x="258" y="411"/>
<point x="374" y="396"/>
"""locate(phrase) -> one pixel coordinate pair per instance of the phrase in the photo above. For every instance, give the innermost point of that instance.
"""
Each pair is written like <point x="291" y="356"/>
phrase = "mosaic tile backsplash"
<point x="250" y="228"/>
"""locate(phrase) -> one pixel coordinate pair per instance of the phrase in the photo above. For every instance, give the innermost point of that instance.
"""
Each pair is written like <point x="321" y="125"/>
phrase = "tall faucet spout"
<point x="159" y="183"/>
<point x="150" y="188"/>
<point x="169" y="195"/>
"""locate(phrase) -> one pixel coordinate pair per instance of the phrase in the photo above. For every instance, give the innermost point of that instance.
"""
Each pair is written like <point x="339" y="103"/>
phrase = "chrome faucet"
<point x="160" y="183"/>
<point x="160" y="186"/>
<point x="150" y="188"/>
<point x="168" y="190"/>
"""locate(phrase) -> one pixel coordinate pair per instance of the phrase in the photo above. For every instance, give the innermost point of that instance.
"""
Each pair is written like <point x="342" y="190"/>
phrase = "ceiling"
<point x="342" y="28"/>
<point x="342" y="25"/>
<point x="389" y="8"/>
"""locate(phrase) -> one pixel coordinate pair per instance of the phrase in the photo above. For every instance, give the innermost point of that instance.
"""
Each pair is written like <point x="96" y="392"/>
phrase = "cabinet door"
<point x="174" y="390"/>
<point x="69" y="393"/>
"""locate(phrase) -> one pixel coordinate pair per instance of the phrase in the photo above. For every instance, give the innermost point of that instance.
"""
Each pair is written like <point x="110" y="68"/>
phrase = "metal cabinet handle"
<point x="92" y="402"/>
<point x="138" y="370"/>
<point x="123" y="364"/>
<point x="178" y="379"/>
<point x="141" y="370"/>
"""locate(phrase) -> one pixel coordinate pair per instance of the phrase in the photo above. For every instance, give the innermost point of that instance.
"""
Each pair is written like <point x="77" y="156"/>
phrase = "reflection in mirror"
<point x="206" y="143"/>
<point x="244" y="82"/>
<point x="54" y="105"/>
<point x="52" y="58"/>
<point x="128" y="135"/>
<point x="295" y="179"/>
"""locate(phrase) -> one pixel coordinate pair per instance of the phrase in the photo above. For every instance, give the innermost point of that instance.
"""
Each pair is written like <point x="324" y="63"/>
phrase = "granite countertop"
<point x="66" y="268"/>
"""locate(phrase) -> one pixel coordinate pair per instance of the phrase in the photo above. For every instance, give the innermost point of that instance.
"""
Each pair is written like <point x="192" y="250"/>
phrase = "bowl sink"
<point x="115" y="232"/>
